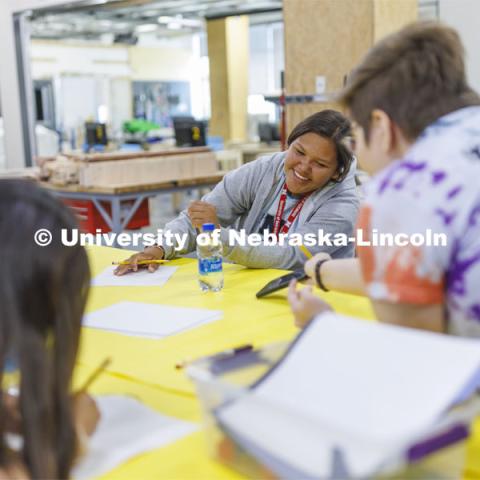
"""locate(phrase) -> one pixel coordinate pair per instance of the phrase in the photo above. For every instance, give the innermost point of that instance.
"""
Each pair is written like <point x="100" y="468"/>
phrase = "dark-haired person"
<point x="310" y="187"/>
<point x="43" y="291"/>
<point x="417" y="130"/>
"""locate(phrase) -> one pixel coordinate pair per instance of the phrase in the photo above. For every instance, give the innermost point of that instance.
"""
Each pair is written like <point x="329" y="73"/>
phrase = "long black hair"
<point x="333" y="126"/>
<point x="43" y="291"/>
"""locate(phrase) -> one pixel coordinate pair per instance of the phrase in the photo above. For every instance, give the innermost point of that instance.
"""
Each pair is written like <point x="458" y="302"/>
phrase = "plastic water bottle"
<point x="210" y="259"/>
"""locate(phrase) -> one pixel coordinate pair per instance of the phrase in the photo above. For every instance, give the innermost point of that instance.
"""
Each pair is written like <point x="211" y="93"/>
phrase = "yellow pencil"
<point x="95" y="374"/>
<point x="305" y="251"/>
<point x="141" y="262"/>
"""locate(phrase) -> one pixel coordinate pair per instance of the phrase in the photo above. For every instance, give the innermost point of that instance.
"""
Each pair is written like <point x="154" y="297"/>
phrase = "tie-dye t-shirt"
<point x="435" y="187"/>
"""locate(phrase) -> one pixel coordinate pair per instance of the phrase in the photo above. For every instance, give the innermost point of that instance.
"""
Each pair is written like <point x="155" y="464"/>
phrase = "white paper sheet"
<point x="142" y="278"/>
<point x="126" y="429"/>
<point x="363" y="387"/>
<point x="149" y="320"/>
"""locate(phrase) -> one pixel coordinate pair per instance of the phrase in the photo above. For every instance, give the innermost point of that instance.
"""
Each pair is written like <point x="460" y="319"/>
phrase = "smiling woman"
<point x="317" y="152"/>
<point x="306" y="189"/>
<point x="310" y="163"/>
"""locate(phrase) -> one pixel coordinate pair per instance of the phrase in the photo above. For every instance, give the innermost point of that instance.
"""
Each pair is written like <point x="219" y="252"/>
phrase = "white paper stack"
<point x="127" y="428"/>
<point x="149" y="320"/>
<point x="142" y="278"/>
<point x="351" y="395"/>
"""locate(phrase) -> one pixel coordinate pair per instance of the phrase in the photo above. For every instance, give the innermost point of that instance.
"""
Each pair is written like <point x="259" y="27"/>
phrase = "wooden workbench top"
<point x="117" y="189"/>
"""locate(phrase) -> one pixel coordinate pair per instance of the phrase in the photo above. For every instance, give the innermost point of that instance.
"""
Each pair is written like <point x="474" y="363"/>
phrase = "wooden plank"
<point x="114" y="190"/>
<point x="322" y="38"/>
<point x="147" y="170"/>
<point x="107" y="157"/>
<point x="328" y="38"/>
<point x="391" y="15"/>
<point x="228" y="59"/>
<point x="217" y="58"/>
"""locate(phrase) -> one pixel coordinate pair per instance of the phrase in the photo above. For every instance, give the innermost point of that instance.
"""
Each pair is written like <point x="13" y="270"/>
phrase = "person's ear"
<point x="336" y="175"/>
<point x="382" y="129"/>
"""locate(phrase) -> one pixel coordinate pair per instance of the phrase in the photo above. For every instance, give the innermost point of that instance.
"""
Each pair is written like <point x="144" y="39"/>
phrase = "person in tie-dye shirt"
<point x="417" y="131"/>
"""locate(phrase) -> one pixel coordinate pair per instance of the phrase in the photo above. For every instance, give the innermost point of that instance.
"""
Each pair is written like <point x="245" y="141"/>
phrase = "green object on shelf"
<point x="139" y="125"/>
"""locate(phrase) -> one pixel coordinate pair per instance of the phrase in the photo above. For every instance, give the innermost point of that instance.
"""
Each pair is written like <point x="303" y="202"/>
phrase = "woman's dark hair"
<point x="43" y="291"/>
<point x="334" y="126"/>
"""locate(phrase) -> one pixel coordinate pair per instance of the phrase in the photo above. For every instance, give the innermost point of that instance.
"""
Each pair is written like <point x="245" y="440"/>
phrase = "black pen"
<point x="231" y="352"/>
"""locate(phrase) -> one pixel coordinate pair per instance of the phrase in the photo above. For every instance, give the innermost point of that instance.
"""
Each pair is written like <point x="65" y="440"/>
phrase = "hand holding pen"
<point x="150" y="258"/>
<point x="85" y="410"/>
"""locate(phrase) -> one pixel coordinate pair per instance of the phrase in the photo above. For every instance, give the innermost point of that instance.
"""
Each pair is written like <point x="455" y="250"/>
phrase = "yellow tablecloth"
<point x="146" y="368"/>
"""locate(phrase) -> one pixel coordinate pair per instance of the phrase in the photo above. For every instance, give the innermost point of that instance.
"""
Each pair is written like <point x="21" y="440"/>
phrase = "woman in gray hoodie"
<point x="309" y="188"/>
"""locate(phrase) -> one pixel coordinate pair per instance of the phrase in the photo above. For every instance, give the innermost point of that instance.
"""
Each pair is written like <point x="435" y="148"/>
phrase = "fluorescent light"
<point x="174" y="26"/>
<point x="147" y="27"/>
<point x="121" y="25"/>
<point x="102" y="114"/>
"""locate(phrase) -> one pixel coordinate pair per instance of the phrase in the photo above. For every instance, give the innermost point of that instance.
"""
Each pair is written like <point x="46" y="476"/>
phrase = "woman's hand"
<point x="202" y="212"/>
<point x="86" y="416"/>
<point x="85" y="413"/>
<point x="150" y="253"/>
<point x="310" y="265"/>
<point x="304" y="304"/>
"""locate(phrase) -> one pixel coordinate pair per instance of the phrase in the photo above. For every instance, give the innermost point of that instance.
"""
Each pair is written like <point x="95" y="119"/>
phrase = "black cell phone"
<point x="281" y="282"/>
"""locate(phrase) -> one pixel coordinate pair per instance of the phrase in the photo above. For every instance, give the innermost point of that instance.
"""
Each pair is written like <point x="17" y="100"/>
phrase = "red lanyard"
<point x="293" y="215"/>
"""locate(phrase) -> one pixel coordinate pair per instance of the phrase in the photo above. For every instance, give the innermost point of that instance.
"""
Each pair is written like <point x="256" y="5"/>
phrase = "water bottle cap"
<point x="208" y="227"/>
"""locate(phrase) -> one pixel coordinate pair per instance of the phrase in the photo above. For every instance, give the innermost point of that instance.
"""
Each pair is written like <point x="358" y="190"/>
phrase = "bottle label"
<point x="209" y="265"/>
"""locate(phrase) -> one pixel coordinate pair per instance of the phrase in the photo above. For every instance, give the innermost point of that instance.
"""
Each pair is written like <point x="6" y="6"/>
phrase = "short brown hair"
<point x="415" y="76"/>
<point x="333" y="126"/>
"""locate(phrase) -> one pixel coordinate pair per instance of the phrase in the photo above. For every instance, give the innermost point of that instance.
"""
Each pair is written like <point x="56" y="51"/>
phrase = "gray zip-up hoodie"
<point x="242" y="200"/>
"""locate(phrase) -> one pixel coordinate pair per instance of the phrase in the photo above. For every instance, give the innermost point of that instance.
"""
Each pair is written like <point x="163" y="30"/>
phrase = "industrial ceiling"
<point x="125" y="19"/>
